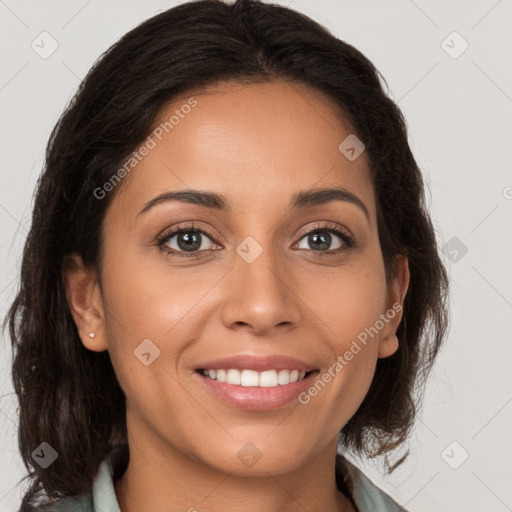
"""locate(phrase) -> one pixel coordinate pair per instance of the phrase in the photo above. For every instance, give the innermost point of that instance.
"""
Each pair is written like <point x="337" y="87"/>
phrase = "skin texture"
<point x="257" y="145"/>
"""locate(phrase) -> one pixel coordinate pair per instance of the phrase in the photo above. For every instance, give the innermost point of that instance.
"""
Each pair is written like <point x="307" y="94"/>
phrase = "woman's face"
<point x="256" y="285"/>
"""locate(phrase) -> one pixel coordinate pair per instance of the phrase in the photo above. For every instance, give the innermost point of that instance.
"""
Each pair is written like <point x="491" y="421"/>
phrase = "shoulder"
<point x="101" y="499"/>
<point x="366" y="495"/>
<point x="67" y="504"/>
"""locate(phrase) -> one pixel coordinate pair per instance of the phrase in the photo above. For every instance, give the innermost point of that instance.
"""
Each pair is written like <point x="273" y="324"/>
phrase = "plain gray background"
<point x="458" y="105"/>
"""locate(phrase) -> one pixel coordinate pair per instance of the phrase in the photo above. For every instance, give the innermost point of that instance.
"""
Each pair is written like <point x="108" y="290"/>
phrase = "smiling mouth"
<point x="256" y="391"/>
<point x="252" y="378"/>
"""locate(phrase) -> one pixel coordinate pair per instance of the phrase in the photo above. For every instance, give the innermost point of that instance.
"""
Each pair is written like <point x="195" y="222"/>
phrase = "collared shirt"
<point x="365" y="494"/>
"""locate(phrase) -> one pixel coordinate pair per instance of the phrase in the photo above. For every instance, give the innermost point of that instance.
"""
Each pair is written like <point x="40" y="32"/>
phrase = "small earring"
<point x="91" y="335"/>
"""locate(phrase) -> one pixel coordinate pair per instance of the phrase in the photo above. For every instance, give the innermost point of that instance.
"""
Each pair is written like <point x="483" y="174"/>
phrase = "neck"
<point x="167" y="480"/>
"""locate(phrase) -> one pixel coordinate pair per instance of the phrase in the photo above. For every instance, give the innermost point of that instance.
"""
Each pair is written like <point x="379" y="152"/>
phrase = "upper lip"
<point x="257" y="363"/>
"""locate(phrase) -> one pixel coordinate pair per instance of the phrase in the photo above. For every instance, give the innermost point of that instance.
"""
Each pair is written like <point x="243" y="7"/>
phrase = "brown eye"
<point x="321" y="239"/>
<point x="185" y="241"/>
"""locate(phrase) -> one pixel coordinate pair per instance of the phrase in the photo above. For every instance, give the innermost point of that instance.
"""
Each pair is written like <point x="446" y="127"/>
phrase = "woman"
<point x="231" y="279"/>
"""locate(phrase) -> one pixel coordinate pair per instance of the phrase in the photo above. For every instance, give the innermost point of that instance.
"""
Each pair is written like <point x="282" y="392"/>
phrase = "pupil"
<point x="325" y="240"/>
<point x="189" y="241"/>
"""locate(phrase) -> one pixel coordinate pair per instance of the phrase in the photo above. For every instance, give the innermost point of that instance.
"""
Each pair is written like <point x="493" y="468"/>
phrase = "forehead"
<point x="255" y="144"/>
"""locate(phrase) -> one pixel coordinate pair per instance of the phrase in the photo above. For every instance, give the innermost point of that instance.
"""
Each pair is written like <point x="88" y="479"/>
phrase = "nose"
<point x="260" y="296"/>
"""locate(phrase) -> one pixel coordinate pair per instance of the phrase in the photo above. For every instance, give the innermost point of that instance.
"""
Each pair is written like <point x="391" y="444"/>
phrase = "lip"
<point x="252" y="398"/>
<point x="257" y="363"/>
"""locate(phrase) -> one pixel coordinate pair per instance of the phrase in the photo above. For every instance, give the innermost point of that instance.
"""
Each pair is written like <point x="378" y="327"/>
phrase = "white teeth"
<point x="233" y="377"/>
<point x="283" y="377"/>
<point x="265" y="379"/>
<point x="249" y="378"/>
<point x="268" y="379"/>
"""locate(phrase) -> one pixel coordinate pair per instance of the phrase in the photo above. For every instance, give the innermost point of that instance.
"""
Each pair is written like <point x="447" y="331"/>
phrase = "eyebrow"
<point x="299" y="200"/>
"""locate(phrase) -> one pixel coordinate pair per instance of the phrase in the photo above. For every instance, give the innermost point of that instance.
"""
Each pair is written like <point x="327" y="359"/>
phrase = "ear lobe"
<point x="84" y="300"/>
<point x="388" y="346"/>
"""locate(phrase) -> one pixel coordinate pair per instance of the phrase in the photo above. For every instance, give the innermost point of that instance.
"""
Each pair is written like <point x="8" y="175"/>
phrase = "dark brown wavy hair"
<point x="69" y="396"/>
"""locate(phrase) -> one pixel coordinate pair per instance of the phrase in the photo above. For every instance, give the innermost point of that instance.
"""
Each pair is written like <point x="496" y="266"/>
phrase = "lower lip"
<point x="252" y="398"/>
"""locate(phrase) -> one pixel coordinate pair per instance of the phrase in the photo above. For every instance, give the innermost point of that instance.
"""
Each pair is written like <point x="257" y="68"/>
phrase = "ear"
<point x="85" y="302"/>
<point x="397" y="290"/>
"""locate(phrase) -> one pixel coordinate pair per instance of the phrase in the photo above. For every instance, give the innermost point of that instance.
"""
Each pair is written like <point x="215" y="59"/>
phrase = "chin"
<point x="254" y="459"/>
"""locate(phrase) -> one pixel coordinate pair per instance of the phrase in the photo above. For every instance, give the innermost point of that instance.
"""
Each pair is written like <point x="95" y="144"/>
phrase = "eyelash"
<point x="165" y="237"/>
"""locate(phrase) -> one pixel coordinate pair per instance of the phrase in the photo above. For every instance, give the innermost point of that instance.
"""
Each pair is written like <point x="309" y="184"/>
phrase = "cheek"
<point x="150" y="300"/>
<point x="350" y="301"/>
<point x="152" y="303"/>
